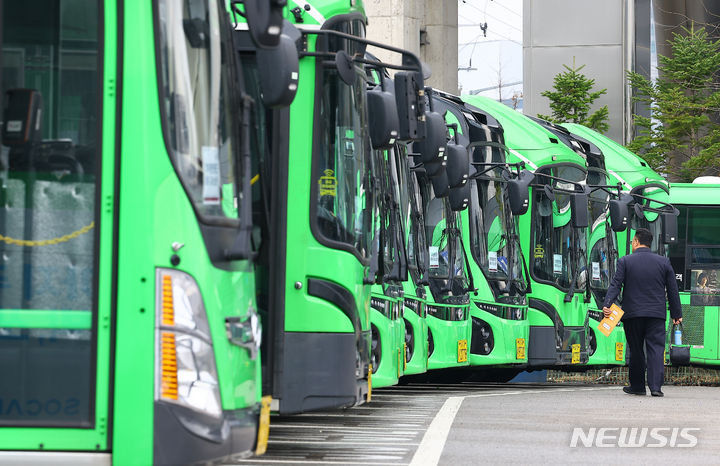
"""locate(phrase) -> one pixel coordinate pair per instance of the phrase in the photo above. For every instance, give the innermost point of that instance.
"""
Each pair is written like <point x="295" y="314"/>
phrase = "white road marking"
<point x="433" y="443"/>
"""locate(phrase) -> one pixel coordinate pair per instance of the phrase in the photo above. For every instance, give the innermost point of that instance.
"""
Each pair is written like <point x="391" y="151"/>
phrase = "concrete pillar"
<point x="399" y="23"/>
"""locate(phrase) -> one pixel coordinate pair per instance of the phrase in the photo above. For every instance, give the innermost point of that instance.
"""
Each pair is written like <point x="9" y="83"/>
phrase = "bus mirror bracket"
<point x="409" y="93"/>
<point x="458" y="165"/>
<point x="579" y="209"/>
<point x="519" y="192"/>
<point x="432" y="147"/>
<point x="278" y="69"/>
<point x="385" y="123"/>
<point x="459" y="197"/>
<point x="264" y="19"/>
<point x="619" y="212"/>
<point x="670" y="227"/>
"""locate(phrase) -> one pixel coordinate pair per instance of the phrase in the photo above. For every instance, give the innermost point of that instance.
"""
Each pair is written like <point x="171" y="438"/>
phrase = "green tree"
<point x="682" y="136"/>
<point x="572" y="98"/>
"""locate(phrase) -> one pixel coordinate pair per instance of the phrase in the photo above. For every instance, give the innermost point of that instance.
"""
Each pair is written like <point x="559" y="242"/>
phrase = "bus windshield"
<point x="603" y="242"/>
<point x="446" y="268"/>
<point x="417" y="249"/>
<point x="195" y="96"/>
<point x="558" y="249"/>
<point x="493" y="238"/>
<point x="343" y="210"/>
<point x="655" y="226"/>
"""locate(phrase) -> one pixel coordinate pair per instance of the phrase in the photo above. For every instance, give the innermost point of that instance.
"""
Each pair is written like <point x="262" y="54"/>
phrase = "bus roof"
<point x="695" y="194"/>
<point x="527" y="140"/>
<point x="622" y="164"/>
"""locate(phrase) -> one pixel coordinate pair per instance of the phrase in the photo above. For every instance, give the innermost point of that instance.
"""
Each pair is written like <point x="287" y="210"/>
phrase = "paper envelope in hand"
<point x="608" y="323"/>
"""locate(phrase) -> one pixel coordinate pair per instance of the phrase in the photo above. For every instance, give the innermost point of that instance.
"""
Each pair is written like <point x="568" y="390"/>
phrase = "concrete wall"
<point x="591" y="32"/>
<point x="399" y="23"/>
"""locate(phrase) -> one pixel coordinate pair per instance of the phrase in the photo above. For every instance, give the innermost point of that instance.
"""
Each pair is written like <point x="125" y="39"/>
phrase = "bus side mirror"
<point x="458" y="165"/>
<point x="278" y="69"/>
<point x="409" y="88"/>
<point x="670" y="227"/>
<point x="384" y="124"/>
<point x="264" y="19"/>
<point x="618" y="214"/>
<point x="459" y="197"/>
<point x="579" y="210"/>
<point x="441" y="188"/>
<point x="519" y="192"/>
<point x="432" y="147"/>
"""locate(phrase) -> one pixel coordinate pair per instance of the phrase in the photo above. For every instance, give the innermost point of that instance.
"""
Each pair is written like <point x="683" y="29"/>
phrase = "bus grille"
<point x="693" y="325"/>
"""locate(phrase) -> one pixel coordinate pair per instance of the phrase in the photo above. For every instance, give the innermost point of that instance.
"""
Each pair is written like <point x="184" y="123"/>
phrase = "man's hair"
<point x="644" y="236"/>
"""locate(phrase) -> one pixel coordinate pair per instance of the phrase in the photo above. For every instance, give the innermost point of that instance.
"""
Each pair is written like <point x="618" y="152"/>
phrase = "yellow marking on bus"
<point x="263" y="425"/>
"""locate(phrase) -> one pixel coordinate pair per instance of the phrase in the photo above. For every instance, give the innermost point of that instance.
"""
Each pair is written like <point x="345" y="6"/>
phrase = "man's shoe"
<point x="630" y="391"/>
<point x="657" y="393"/>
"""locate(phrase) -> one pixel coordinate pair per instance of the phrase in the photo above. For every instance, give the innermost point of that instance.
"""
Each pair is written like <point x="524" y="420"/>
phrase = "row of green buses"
<point x="217" y="209"/>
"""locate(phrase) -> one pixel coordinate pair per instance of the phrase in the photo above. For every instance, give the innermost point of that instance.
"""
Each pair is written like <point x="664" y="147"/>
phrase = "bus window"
<point x="705" y="290"/>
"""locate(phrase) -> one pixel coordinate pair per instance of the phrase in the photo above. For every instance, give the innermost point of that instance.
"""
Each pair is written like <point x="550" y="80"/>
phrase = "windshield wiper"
<point x="576" y="275"/>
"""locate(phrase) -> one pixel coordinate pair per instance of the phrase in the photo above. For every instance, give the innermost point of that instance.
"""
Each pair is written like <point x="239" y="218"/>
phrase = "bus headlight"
<point x="482" y="339"/>
<point x="592" y="342"/>
<point x="185" y="372"/>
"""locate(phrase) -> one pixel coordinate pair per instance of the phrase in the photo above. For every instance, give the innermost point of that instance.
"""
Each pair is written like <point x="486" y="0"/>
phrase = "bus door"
<point x="54" y="322"/>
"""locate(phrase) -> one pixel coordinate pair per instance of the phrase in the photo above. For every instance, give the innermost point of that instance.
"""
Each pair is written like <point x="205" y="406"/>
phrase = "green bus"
<point x="635" y="179"/>
<point x="696" y="260"/>
<point x="387" y="326"/>
<point x="129" y="330"/>
<point x="553" y="233"/>
<point x="415" y="291"/>
<point x="444" y="194"/>
<point x="317" y="199"/>
<point x="498" y="309"/>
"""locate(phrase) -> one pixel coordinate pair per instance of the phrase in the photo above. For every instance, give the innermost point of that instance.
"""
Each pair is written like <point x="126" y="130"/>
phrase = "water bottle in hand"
<point x="677" y="335"/>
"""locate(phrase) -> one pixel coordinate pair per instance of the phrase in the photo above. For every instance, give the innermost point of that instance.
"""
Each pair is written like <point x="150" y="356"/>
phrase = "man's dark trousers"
<point x="646" y="341"/>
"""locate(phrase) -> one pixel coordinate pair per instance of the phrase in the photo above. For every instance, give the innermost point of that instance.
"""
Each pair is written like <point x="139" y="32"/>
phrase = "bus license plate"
<point x="519" y="348"/>
<point x="462" y="351"/>
<point x="264" y="425"/>
<point x="575" y="354"/>
<point x="619" y="351"/>
<point x="404" y="357"/>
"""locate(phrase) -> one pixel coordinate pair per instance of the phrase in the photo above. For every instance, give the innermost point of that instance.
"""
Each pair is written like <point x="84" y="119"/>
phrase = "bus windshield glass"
<point x="603" y="247"/>
<point x="492" y="232"/>
<point x="343" y="210"/>
<point x="196" y="98"/>
<point x="558" y="250"/>
<point x="417" y="249"/>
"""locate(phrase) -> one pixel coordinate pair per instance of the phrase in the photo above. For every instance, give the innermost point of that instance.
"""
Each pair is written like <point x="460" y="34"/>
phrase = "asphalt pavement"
<point x="505" y="423"/>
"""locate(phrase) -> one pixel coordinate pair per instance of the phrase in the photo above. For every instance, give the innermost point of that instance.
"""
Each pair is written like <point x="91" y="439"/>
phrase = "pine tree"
<point x="572" y="98"/>
<point x="682" y="136"/>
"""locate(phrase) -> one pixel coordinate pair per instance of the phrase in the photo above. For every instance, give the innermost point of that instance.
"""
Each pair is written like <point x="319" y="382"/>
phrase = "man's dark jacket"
<point x="646" y="279"/>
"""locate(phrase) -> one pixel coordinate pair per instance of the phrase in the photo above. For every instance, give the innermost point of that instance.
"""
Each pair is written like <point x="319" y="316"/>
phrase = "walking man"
<point x="646" y="280"/>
